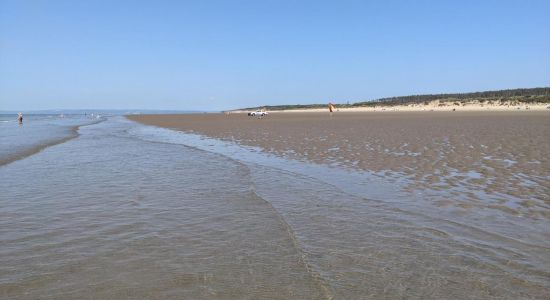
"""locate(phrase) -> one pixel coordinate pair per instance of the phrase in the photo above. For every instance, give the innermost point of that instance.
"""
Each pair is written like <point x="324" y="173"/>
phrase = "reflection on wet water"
<point x="128" y="211"/>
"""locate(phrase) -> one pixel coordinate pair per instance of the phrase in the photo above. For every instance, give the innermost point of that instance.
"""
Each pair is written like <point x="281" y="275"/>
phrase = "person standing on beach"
<point x="330" y="108"/>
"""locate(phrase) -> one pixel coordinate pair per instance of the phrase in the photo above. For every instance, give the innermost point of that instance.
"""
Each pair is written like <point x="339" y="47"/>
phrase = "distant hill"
<point x="514" y="96"/>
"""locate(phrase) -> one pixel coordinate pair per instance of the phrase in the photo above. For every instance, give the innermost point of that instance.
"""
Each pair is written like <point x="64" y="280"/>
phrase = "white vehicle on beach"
<point x="258" y="113"/>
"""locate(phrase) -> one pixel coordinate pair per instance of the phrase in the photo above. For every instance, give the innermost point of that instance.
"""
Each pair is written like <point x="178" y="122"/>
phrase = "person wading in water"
<point x="20" y="118"/>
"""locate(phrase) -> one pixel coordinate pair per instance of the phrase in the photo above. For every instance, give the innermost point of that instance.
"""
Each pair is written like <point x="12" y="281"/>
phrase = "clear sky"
<point x="215" y="55"/>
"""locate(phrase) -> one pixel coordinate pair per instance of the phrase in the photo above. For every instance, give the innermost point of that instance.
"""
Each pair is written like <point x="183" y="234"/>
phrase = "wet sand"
<point x="489" y="160"/>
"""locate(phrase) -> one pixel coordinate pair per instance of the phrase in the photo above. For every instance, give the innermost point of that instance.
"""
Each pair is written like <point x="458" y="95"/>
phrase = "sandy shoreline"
<point x="432" y="106"/>
<point x="490" y="152"/>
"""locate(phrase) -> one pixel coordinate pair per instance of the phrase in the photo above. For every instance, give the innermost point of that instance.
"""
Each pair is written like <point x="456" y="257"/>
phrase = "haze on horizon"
<point x="216" y="55"/>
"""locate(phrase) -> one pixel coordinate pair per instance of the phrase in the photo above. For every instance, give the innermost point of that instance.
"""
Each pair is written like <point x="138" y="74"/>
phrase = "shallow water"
<point x="387" y="240"/>
<point x="125" y="211"/>
<point x="38" y="131"/>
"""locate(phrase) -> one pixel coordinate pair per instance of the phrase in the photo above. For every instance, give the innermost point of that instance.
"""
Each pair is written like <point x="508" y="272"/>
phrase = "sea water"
<point x="123" y="210"/>
<point x="37" y="131"/>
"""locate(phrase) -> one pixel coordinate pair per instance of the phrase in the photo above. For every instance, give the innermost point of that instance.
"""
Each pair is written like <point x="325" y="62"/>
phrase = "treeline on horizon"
<point x="514" y="96"/>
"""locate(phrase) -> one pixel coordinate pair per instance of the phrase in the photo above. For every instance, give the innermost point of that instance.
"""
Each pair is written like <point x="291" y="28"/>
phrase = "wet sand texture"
<point x="493" y="160"/>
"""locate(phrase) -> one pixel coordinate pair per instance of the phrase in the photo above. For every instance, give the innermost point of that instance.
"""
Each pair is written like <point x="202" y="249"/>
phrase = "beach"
<point x="417" y="204"/>
<point x="309" y="150"/>
<point x="491" y="159"/>
<point x="109" y="215"/>
<point x="289" y="206"/>
<point x="444" y="105"/>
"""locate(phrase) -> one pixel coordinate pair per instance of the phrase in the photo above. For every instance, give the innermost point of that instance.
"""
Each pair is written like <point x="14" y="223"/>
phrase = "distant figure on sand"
<point x="20" y="118"/>
<point x="330" y="107"/>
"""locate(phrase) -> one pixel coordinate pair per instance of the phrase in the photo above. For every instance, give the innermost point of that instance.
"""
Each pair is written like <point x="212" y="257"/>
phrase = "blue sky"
<point x="215" y="55"/>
